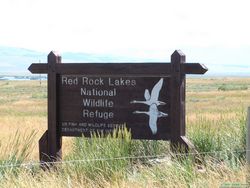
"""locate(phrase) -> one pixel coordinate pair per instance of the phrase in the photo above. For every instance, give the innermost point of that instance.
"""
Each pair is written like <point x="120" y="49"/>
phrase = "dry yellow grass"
<point x="22" y="111"/>
<point x="146" y="179"/>
<point x="23" y="107"/>
<point x="213" y="103"/>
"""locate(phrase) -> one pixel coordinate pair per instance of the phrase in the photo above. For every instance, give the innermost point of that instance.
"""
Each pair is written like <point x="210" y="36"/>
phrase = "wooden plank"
<point x="105" y="68"/>
<point x="117" y="68"/>
<point x="43" y="148"/>
<point x="38" y="68"/>
<point x="194" y="68"/>
<point x="43" y="151"/>
<point x="54" y="135"/>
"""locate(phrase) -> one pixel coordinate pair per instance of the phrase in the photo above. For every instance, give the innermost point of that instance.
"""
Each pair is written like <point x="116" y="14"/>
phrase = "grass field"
<point x="216" y="117"/>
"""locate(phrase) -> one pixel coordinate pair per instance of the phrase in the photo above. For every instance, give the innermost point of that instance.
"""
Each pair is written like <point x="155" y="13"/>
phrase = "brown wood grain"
<point x="177" y="106"/>
<point x="54" y="133"/>
<point x="133" y="69"/>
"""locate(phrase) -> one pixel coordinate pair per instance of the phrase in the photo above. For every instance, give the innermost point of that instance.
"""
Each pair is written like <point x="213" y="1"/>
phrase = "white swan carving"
<point x="153" y="98"/>
<point x="153" y="114"/>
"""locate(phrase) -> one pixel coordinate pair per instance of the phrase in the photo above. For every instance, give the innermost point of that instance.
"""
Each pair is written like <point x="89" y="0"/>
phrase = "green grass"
<point x="230" y="87"/>
<point x="212" y="84"/>
<point x="111" y="156"/>
<point x="15" y="153"/>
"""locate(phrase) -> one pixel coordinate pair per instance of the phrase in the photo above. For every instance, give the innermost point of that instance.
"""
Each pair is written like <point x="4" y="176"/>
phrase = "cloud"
<point x="5" y="65"/>
<point x="120" y="27"/>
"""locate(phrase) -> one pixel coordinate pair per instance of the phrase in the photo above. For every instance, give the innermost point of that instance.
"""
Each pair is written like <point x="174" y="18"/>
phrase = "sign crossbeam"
<point x="117" y="68"/>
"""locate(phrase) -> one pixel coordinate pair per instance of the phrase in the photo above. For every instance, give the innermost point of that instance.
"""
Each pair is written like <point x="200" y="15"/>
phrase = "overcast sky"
<point x="129" y="27"/>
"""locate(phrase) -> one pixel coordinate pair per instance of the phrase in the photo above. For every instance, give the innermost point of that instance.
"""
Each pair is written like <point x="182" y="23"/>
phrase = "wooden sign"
<point x="147" y="98"/>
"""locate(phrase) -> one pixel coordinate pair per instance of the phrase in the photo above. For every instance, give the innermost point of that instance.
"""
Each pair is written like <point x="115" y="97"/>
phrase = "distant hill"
<point x="17" y="60"/>
<point x="220" y="61"/>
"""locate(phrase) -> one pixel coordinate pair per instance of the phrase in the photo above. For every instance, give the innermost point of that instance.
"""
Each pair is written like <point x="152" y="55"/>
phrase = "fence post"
<point x="248" y="136"/>
<point x="248" y="147"/>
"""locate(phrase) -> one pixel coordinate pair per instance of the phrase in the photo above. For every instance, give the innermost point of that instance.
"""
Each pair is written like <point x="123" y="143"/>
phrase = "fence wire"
<point x="29" y="164"/>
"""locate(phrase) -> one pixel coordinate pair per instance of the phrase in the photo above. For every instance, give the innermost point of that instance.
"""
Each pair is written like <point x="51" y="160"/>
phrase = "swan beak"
<point x="164" y="115"/>
<point x="162" y="103"/>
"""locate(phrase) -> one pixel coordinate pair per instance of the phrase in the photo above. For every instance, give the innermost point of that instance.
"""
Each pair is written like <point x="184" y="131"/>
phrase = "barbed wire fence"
<point x="31" y="163"/>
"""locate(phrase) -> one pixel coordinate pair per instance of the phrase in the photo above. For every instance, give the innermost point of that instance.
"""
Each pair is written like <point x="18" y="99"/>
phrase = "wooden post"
<point x="248" y="147"/>
<point x="43" y="148"/>
<point x="177" y="106"/>
<point x="248" y="136"/>
<point x="54" y="135"/>
<point x="51" y="142"/>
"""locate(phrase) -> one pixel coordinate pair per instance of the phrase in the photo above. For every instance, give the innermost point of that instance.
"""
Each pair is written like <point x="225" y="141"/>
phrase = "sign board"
<point x="102" y="103"/>
<point x="147" y="98"/>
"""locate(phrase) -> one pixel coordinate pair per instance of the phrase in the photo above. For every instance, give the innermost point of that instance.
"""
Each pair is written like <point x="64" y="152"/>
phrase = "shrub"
<point x="15" y="153"/>
<point x="228" y="87"/>
<point x="112" y="156"/>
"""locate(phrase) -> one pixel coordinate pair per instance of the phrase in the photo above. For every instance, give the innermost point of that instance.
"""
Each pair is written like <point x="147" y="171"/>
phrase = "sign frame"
<point x="50" y="144"/>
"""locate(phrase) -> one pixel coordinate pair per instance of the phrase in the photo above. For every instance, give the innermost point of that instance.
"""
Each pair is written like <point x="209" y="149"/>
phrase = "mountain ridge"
<point x="15" y="60"/>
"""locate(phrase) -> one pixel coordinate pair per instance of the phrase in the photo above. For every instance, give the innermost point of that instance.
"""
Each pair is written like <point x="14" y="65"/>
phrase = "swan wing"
<point x="146" y="95"/>
<point x="156" y="90"/>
